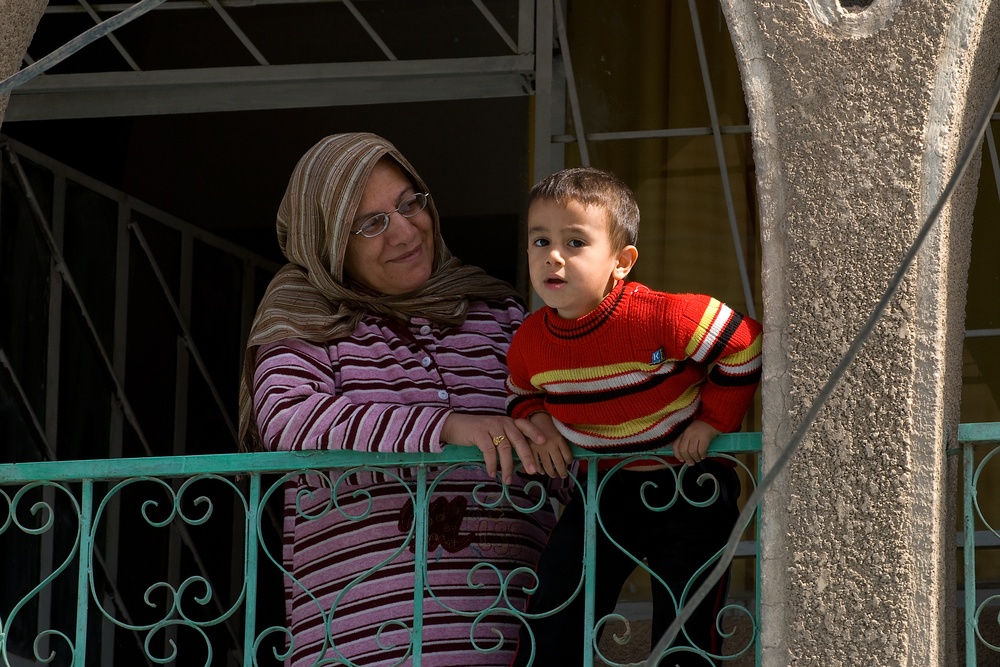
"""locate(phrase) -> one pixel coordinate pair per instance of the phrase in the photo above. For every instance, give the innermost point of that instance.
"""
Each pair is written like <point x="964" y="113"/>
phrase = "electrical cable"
<point x="83" y="39"/>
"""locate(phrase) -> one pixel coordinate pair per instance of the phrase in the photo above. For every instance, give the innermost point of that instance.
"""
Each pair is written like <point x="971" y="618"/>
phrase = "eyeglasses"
<point x="378" y="223"/>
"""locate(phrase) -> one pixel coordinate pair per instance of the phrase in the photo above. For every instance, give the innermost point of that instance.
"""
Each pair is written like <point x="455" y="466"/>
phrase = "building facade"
<point x="786" y="156"/>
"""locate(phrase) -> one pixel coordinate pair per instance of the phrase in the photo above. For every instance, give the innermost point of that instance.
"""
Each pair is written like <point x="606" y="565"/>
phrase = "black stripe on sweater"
<point x="723" y="340"/>
<point x="612" y="394"/>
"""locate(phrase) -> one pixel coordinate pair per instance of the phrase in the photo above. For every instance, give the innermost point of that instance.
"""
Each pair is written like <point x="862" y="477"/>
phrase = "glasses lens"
<point x="413" y="204"/>
<point x="374" y="225"/>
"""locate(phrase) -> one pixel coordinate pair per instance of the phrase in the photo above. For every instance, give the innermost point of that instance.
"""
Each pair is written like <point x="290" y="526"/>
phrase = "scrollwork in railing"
<point x="385" y="628"/>
<point x="702" y="492"/>
<point x="738" y="614"/>
<point x="497" y="522"/>
<point x="44" y="513"/>
<point x="268" y="635"/>
<point x="454" y="548"/>
<point x="987" y="607"/>
<point x="981" y="609"/>
<point x="324" y="498"/>
<point x="169" y="600"/>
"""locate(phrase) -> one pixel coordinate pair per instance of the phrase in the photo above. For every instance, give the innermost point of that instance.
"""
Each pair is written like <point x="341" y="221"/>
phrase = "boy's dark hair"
<point x="594" y="187"/>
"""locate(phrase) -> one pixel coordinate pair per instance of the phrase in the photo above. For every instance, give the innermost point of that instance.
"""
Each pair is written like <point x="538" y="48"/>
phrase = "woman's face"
<point x="400" y="259"/>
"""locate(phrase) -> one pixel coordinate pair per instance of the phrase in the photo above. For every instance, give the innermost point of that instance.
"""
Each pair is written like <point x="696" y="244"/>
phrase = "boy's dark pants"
<point x="675" y="542"/>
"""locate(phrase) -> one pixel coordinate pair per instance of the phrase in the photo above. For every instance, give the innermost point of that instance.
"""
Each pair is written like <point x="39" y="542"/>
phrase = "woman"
<point x="375" y="338"/>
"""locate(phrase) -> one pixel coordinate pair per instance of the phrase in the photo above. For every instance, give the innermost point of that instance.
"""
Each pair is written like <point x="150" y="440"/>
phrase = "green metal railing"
<point x="65" y="504"/>
<point x="69" y="504"/>
<point x="980" y="448"/>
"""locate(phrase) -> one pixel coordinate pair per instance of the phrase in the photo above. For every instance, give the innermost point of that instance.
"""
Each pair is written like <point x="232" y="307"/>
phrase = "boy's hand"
<point x="553" y="455"/>
<point x="692" y="445"/>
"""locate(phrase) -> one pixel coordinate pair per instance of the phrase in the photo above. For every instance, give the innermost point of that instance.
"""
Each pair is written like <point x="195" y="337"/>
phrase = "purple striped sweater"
<point x="389" y="387"/>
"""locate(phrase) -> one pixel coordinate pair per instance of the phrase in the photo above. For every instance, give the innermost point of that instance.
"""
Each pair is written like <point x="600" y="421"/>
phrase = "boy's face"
<point x="570" y="258"/>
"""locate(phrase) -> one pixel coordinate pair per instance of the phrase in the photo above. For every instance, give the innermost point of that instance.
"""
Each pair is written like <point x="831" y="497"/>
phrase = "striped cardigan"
<point x="633" y="373"/>
<point x="389" y="387"/>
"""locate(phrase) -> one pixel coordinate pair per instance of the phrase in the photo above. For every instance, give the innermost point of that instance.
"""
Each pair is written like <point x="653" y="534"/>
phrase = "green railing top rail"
<point x="236" y="463"/>
<point x="272" y="462"/>
<point x="979" y="432"/>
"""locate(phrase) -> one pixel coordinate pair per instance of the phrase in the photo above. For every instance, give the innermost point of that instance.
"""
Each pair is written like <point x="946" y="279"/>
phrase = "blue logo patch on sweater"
<point x="657" y="357"/>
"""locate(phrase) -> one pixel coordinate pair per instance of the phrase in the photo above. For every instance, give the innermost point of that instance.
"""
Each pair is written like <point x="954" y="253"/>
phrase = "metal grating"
<point x="236" y="55"/>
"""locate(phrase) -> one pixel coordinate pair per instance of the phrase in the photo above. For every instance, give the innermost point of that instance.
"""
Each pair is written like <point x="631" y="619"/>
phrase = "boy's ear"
<point x="626" y="260"/>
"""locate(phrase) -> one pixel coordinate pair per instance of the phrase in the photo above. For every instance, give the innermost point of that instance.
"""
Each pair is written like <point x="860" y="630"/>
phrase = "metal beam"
<point x="106" y="94"/>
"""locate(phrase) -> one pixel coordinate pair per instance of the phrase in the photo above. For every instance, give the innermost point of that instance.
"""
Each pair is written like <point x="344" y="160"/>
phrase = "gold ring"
<point x="497" y="439"/>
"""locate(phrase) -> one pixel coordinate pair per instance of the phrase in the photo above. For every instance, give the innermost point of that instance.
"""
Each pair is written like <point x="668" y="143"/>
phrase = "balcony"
<point x="177" y="560"/>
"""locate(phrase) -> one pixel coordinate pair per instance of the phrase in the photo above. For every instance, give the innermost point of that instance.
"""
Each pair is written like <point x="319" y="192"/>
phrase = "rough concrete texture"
<point x="857" y="120"/>
<point x="18" y="20"/>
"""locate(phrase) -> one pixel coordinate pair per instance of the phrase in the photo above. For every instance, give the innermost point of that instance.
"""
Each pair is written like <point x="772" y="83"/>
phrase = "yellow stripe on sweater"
<point x="743" y="356"/>
<point x="703" y="326"/>
<point x="588" y="373"/>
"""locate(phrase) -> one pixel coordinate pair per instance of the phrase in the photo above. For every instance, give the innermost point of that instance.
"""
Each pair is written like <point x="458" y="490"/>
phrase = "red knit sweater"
<point x="633" y="373"/>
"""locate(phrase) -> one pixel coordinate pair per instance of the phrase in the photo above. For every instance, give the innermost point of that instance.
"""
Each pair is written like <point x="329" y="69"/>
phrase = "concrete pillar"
<point x="18" y="19"/>
<point x="858" y="117"/>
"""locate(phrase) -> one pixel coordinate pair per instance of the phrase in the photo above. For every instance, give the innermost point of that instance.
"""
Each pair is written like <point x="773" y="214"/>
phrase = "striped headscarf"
<point x="310" y="298"/>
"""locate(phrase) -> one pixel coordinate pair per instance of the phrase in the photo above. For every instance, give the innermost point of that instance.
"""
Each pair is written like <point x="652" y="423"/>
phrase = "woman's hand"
<point x="496" y="437"/>
<point x="553" y="453"/>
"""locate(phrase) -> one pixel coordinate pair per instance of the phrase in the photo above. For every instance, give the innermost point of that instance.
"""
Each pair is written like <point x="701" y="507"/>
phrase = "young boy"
<point x="617" y="367"/>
